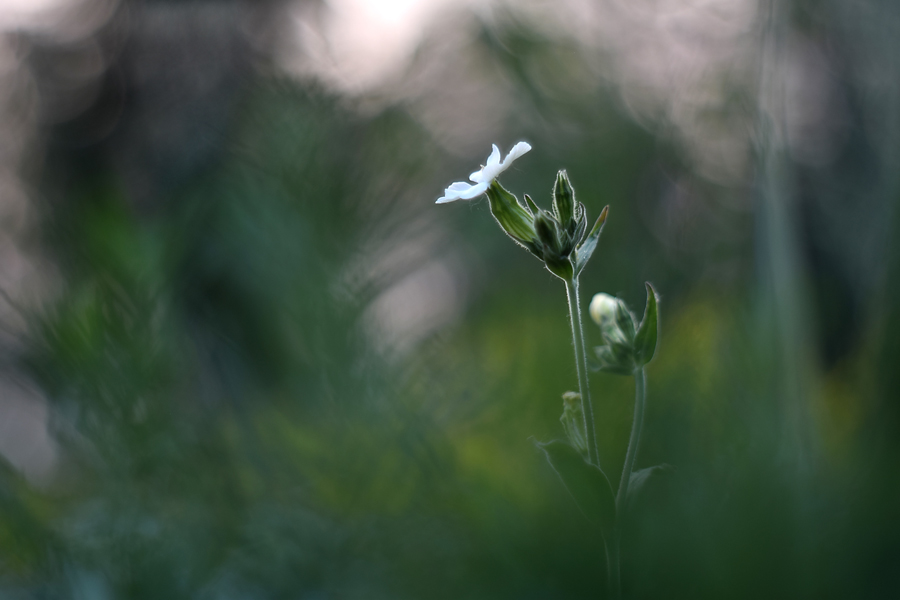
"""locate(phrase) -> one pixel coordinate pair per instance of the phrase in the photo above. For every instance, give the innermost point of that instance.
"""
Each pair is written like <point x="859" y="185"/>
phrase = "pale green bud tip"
<point x="572" y="421"/>
<point x="603" y="308"/>
<point x="563" y="199"/>
<point x="571" y="399"/>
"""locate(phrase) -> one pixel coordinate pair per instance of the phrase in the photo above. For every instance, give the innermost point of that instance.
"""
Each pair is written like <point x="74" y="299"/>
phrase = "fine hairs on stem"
<point x="637" y="424"/>
<point x="581" y="368"/>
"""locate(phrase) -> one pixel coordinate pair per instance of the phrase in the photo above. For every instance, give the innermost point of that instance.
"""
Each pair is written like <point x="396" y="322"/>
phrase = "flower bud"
<point x="516" y="220"/>
<point x="625" y="349"/>
<point x="572" y="421"/>
<point x="564" y="201"/>
<point x="603" y="308"/>
<point x="555" y="256"/>
<point x="548" y="232"/>
<point x="614" y="318"/>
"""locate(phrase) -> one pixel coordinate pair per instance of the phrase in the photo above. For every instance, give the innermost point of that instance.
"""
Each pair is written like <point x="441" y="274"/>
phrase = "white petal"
<point x="475" y="190"/>
<point x="488" y="174"/>
<point x="494" y="158"/>
<point x="452" y="193"/>
<point x="446" y="199"/>
<point x="460" y="190"/>
<point x="459" y="186"/>
<point x="489" y="171"/>
<point x="483" y="178"/>
<point x="478" y="176"/>
<point x="517" y="151"/>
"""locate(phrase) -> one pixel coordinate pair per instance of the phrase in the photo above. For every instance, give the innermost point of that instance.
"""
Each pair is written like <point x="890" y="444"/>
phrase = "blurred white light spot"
<point x="357" y="44"/>
<point x="25" y="441"/>
<point x="22" y="13"/>
<point x="416" y="306"/>
<point x="61" y="20"/>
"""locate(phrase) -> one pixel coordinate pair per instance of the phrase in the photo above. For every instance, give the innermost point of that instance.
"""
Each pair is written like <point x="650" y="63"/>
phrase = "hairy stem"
<point x="640" y="397"/>
<point x="613" y="577"/>
<point x="587" y="407"/>
<point x="613" y="546"/>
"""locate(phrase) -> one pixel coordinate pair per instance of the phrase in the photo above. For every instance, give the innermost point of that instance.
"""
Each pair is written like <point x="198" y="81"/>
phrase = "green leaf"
<point x="586" y="249"/>
<point x="587" y="484"/>
<point x="645" y="340"/>
<point x="639" y="480"/>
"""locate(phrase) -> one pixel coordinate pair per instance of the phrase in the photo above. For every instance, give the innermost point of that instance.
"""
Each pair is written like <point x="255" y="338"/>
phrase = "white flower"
<point x="483" y="178"/>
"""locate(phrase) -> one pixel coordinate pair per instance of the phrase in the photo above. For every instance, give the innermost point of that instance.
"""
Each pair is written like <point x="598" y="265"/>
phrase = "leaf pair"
<point x="588" y="484"/>
<point x="590" y="487"/>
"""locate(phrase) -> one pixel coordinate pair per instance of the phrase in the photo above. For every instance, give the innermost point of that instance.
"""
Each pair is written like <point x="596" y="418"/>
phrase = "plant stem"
<point x="640" y="397"/>
<point x="587" y="407"/>
<point x="613" y="548"/>
<point x="613" y="577"/>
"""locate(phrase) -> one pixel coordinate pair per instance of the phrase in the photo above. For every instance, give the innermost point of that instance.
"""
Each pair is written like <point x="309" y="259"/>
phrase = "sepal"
<point x="586" y="249"/>
<point x="513" y="218"/>
<point x="612" y="359"/>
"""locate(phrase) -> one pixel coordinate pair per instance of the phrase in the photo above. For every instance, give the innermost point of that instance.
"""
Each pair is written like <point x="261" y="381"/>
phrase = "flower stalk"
<point x="590" y="430"/>
<point x="613" y="547"/>
<point x="637" y="424"/>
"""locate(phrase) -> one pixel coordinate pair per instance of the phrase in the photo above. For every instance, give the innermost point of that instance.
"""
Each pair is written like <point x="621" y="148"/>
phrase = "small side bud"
<point x="603" y="308"/>
<point x="572" y="421"/>
<point x="615" y="320"/>
<point x="617" y="328"/>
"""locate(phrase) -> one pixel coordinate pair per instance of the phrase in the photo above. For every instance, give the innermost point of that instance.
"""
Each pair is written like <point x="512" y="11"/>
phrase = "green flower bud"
<point x="615" y="320"/>
<point x="617" y="327"/>
<point x="626" y="349"/>
<point x="572" y="421"/>
<point x="564" y="202"/>
<point x="516" y="220"/>
<point x="557" y="238"/>
<point x="548" y="232"/>
<point x="555" y="256"/>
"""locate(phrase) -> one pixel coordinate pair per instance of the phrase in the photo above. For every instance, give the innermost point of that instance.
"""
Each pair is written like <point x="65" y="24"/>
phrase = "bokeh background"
<point x="244" y="356"/>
